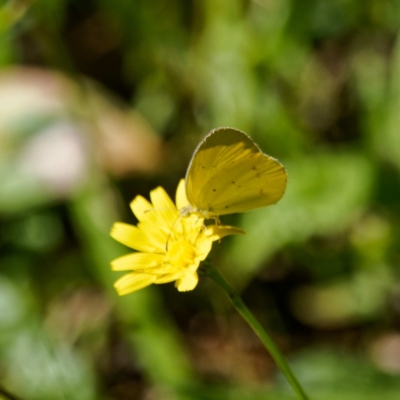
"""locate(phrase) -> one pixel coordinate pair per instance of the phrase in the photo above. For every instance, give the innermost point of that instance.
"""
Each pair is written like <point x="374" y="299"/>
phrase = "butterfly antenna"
<point x="171" y="232"/>
<point x="159" y="209"/>
<point x="173" y="226"/>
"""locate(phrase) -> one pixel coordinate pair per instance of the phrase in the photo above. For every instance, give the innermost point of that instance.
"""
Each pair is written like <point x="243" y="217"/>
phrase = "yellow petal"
<point x="161" y="200"/>
<point x="146" y="213"/>
<point x="141" y="207"/>
<point x="203" y="247"/>
<point x="187" y="282"/>
<point x="162" y="269"/>
<point x="164" y="207"/>
<point x="132" y="282"/>
<point x="216" y="232"/>
<point x="168" y="277"/>
<point x="132" y="237"/>
<point x="180" y="198"/>
<point x="156" y="234"/>
<point x="137" y="261"/>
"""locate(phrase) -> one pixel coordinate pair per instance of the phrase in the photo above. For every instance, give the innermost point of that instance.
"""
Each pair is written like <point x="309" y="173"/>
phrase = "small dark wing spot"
<point x="233" y="182"/>
<point x="254" y="168"/>
<point x="214" y="190"/>
<point x="226" y="206"/>
<point x="258" y="175"/>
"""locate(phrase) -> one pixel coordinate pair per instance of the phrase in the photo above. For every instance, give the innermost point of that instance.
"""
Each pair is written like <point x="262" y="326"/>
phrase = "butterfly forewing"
<point x="229" y="174"/>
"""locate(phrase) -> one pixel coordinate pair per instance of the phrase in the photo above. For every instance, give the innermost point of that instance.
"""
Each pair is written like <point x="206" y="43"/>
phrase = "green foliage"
<point x="105" y="100"/>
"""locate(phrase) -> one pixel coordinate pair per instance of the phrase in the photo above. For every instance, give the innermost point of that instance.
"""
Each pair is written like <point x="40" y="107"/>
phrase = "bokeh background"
<point x="103" y="100"/>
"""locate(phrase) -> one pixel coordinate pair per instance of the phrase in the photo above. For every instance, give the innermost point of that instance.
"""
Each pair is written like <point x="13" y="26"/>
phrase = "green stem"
<point x="212" y="272"/>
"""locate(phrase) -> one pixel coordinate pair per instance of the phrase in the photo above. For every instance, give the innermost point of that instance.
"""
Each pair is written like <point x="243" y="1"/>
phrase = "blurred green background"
<point x="103" y="100"/>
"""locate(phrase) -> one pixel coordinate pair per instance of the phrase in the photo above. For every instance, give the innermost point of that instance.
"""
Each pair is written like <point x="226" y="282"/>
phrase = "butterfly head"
<point x="190" y="210"/>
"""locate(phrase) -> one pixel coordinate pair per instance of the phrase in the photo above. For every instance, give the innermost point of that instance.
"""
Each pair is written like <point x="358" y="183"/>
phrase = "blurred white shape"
<point x="32" y="99"/>
<point x="56" y="157"/>
<point x="54" y="132"/>
<point x="29" y="92"/>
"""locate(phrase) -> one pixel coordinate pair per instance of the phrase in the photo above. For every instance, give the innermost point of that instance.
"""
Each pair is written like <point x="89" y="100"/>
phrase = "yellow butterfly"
<point x="228" y="174"/>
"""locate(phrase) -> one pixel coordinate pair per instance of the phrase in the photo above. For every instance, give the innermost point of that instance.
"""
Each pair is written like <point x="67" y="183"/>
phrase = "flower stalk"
<point x="208" y="269"/>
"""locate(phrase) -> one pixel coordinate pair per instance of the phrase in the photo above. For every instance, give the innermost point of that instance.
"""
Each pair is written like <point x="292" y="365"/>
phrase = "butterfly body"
<point x="229" y="173"/>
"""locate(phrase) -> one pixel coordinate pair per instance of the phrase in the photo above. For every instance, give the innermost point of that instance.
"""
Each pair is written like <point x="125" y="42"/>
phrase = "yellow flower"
<point x="169" y="247"/>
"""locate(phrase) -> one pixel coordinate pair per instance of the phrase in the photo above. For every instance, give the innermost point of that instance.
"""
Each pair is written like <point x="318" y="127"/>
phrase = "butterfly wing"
<point x="228" y="174"/>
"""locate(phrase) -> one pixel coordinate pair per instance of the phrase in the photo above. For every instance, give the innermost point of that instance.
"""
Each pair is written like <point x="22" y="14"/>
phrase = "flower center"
<point x="181" y="254"/>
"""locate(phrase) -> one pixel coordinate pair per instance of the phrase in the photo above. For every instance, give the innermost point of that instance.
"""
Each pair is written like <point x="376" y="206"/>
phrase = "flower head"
<point x="169" y="246"/>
